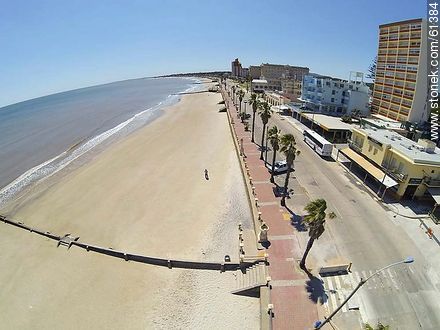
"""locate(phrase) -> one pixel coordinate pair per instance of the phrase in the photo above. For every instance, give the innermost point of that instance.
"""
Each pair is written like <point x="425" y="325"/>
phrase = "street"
<point x="365" y="234"/>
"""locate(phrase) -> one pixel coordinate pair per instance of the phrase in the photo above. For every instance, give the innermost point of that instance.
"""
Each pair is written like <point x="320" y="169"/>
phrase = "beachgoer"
<point x="206" y="174"/>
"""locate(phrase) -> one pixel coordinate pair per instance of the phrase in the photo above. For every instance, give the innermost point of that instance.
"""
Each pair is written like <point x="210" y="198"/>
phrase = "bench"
<point x="334" y="270"/>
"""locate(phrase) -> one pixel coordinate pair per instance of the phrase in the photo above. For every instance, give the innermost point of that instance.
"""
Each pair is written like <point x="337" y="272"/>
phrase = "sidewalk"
<point x="293" y="309"/>
<point x="411" y="210"/>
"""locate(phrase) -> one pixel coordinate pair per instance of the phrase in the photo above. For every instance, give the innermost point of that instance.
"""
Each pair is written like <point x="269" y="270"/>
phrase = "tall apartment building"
<point x="236" y="68"/>
<point x="334" y="96"/>
<point x="291" y="88"/>
<point x="278" y="71"/>
<point x="400" y="87"/>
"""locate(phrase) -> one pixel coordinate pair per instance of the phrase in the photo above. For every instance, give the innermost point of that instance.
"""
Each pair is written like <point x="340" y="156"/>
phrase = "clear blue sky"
<point x="52" y="46"/>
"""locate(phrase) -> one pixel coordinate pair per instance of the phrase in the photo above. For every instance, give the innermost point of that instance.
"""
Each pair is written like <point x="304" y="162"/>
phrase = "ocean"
<point x="39" y="137"/>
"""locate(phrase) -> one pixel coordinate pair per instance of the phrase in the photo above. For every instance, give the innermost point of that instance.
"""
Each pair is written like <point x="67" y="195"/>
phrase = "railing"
<point x="392" y="172"/>
<point x="433" y="182"/>
<point x="354" y="146"/>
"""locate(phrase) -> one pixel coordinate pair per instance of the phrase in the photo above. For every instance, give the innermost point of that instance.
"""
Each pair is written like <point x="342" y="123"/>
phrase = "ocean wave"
<point x="59" y="162"/>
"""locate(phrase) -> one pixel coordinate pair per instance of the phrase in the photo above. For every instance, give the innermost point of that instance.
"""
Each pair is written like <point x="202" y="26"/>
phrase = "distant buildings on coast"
<point x="389" y="140"/>
<point x="400" y="84"/>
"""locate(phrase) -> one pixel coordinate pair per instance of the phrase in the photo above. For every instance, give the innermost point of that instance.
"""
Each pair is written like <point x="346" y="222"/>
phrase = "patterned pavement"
<point x="293" y="306"/>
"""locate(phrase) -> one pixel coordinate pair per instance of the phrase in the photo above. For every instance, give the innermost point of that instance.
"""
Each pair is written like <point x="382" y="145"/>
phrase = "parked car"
<point x="280" y="166"/>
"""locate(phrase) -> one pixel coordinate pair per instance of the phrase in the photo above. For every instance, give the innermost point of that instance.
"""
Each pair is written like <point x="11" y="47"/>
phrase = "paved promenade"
<point x="293" y="309"/>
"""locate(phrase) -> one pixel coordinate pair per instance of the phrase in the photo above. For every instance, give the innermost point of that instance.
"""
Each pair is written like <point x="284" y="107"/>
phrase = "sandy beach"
<point x="146" y="194"/>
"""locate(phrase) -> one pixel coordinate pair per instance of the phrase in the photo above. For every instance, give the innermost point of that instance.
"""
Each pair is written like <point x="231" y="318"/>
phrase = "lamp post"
<point x="267" y="140"/>
<point x="319" y="324"/>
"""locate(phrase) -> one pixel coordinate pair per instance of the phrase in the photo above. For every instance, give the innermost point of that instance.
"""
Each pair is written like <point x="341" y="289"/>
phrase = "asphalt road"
<point x="366" y="234"/>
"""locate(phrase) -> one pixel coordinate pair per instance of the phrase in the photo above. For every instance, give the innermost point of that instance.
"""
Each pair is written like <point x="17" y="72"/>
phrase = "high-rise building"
<point x="236" y="68"/>
<point x="400" y="87"/>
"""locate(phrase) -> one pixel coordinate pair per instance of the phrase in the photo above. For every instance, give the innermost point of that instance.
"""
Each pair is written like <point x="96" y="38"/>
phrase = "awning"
<point x="377" y="173"/>
<point x="435" y="193"/>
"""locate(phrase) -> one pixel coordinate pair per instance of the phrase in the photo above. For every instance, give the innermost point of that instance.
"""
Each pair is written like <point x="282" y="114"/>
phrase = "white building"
<point x="259" y="85"/>
<point x="335" y="96"/>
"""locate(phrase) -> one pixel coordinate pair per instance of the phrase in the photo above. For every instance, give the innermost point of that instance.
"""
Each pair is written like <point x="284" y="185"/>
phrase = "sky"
<point x="58" y="45"/>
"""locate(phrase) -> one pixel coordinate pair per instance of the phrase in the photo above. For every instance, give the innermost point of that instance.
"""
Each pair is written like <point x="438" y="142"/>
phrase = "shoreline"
<point x="134" y="196"/>
<point x="18" y="188"/>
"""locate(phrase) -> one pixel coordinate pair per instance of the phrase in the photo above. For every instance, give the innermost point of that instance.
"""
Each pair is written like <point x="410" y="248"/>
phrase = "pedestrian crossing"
<point x="338" y="288"/>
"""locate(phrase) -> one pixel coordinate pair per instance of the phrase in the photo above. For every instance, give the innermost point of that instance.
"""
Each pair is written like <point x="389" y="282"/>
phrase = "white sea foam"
<point x="59" y="162"/>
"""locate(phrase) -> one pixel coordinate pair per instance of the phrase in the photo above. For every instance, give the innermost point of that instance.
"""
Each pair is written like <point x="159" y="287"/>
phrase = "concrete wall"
<point x="169" y="263"/>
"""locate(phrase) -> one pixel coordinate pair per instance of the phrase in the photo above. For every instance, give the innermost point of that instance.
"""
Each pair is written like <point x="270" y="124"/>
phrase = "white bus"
<point x="318" y="143"/>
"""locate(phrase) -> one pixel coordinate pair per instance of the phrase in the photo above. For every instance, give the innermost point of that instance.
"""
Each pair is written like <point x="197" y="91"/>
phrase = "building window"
<point x="333" y="100"/>
<point x="370" y="148"/>
<point x="327" y="83"/>
<point x="333" y="92"/>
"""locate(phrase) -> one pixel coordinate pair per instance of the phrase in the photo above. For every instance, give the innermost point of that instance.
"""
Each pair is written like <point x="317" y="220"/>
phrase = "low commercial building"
<point x="275" y="99"/>
<point x="414" y="167"/>
<point x="259" y="85"/>
<point x="329" y="127"/>
<point x="334" y="96"/>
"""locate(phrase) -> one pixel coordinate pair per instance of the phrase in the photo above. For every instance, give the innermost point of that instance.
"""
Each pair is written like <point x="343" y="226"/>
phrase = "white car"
<point x="280" y="166"/>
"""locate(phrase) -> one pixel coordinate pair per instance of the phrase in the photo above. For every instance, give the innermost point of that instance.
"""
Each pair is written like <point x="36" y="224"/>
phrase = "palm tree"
<point x="240" y="94"/>
<point x="233" y="94"/>
<point x="265" y="114"/>
<point x="274" y="138"/>
<point x="288" y="146"/>
<point x="315" y="220"/>
<point x="255" y="105"/>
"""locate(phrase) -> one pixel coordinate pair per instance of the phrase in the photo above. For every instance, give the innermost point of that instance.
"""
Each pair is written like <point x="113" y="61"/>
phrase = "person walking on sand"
<point x="206" y="174"/>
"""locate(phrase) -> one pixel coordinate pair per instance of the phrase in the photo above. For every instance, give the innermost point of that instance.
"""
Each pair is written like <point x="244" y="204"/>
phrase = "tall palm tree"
<point x="255" y="105"/>
<point x="240" y="94"/>
<point x="275" y="139"/>
<point x="265" y="114"/>
<point x="315" y="220"/>
<point x="233" y="94"/>
<point x="288" y="147"/>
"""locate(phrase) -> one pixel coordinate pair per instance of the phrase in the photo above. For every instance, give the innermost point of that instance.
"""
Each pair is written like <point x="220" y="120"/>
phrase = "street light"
<point x="267" y="140"/>
<point x="320" y="324"/>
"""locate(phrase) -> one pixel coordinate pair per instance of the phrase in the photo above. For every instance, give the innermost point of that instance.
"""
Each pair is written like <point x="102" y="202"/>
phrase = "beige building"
<point x="414" y="167"/>
<point x="255" y="71"/>
<point x="278" y="71"/>
<point x="291" y="88"/>
<point x="400" y="87"/>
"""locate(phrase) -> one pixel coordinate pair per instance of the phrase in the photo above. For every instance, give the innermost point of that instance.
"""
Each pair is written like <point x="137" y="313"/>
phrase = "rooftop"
<point x="404" y="146"/>
<point x="259" y="81"/>
<point x="382" y="122"/>
<point x="417" y="20"/>
<point x="328" y="122"/>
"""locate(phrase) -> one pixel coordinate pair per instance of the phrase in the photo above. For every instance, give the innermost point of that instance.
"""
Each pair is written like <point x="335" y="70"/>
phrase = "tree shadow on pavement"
<point x="296" y="220"/>
<point x="315" y="289"/>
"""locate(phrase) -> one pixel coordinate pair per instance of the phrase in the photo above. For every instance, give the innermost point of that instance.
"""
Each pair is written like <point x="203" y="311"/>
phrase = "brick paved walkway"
<point x="292" y="307"/>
